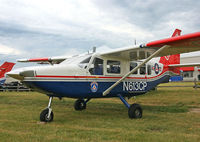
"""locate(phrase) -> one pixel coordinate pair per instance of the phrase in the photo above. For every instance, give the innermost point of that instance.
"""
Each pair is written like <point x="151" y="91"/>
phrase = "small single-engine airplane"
<point x="125" y="72"/>
<point x="4" y="68"/>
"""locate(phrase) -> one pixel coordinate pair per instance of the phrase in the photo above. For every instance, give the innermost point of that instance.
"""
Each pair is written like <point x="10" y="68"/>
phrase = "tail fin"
<point x="6" y="67"/>
<point x="169" y="60"/>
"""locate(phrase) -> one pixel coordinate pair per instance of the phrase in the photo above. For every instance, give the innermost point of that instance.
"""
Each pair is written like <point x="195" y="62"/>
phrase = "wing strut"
<point x="133" y="70"/>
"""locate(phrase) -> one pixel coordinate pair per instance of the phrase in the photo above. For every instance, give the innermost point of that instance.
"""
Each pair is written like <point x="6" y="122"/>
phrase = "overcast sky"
<point x="45" y="28"/>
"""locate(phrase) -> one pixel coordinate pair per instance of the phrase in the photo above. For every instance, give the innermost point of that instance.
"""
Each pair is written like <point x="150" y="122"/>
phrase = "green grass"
<point x="166" y="118"/>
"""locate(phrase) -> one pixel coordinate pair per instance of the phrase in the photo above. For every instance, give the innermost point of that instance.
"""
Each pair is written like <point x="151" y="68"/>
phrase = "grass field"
<point x="168" y="116"/>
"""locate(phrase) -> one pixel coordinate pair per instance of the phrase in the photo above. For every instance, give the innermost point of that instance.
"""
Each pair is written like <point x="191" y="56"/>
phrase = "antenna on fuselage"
<point x="135" y="41"/>
<point x="94" y="49"/>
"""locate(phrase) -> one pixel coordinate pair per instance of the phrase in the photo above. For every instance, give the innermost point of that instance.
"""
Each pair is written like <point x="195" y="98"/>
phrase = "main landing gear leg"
<point x="47" y="114"/>
<point x="134" y="110"/>
<point x="80" y="104"/>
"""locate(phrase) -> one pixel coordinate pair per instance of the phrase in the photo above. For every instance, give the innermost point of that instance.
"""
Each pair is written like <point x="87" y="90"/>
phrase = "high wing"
<point x="177" y="44"/>
<point x="130" y="53"/>
<point x="50" y="60"/>
<point x="169" y="46"/>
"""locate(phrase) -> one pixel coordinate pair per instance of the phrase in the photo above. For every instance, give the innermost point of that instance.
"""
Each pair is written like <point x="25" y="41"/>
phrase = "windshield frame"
<point x="77" y="60"/>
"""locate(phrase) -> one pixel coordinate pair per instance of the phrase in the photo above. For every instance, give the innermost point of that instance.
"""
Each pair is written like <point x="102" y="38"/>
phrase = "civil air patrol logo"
<point x="94" y="86"/>
<point x="156" y="68"/>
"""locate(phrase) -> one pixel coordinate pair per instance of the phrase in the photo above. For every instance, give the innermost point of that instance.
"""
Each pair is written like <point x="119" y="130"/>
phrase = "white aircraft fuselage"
<point x="78" y="77"/>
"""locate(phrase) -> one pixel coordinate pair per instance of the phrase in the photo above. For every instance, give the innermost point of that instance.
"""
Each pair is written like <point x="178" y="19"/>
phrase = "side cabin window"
<point x="113" y="67"/>
<point x="149" y="69"/>
<point x="132" y="66"/>
<point x="96" y="67"/>
<point x="143" y="69"/>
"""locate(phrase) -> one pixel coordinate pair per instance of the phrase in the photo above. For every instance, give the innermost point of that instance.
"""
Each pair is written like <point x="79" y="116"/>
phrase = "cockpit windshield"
<point x="84" y="63"/>
<point x="81" y="61"/>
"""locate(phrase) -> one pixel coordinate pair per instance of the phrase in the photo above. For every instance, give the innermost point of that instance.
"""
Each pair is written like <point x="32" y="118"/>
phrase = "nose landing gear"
<point x="47" y="114"/>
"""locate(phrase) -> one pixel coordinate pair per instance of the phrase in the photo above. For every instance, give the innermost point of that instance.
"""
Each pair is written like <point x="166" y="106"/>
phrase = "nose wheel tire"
<point x="44" y="115"/>
<point x="135" y="111"/>
<point x="79" y="105"/>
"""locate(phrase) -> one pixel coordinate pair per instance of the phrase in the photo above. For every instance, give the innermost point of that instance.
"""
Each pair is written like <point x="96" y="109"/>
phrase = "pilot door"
<point x="95" y="72"/>
<point x="96" y="69"/>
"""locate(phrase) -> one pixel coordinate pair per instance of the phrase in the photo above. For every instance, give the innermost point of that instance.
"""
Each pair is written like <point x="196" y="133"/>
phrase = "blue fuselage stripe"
<point x="85" y="89"/>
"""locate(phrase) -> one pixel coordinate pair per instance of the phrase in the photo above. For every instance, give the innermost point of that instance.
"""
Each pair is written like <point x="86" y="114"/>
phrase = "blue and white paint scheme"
<point x="126" y="72"/>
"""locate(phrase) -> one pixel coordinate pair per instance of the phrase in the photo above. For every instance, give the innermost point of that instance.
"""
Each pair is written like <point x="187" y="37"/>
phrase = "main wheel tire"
<point x="44" y="116"/>
<point x="135" y="111"/>
<point x="79" y="105"/>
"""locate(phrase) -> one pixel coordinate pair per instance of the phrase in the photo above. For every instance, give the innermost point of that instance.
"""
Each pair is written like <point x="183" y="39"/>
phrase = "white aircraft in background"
<point x="120" y="73"/>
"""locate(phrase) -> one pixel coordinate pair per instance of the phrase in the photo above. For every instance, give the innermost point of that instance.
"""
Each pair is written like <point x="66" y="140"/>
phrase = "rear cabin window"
<point x="149" y="69"/>
<point x="113" y="67"/>
<point x="143" y="70"/>
<point x="132" y="66"/>
<point x="142" y="55"/>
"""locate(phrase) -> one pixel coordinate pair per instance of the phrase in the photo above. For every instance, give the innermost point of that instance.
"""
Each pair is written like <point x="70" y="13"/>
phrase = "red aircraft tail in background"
<point x="6" y="67"/>
<point x="176" y="33"/>
<point x="172" y="59"/>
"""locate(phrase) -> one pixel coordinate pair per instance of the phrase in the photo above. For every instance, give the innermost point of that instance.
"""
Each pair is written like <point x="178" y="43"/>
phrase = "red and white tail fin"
<point x="6" y="67"/>
<point x="171" y="59"/>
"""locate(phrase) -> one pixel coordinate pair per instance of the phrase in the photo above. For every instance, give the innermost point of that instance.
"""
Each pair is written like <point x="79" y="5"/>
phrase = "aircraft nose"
<point x="19" y="75"/>
<point x="15" y="75"/>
